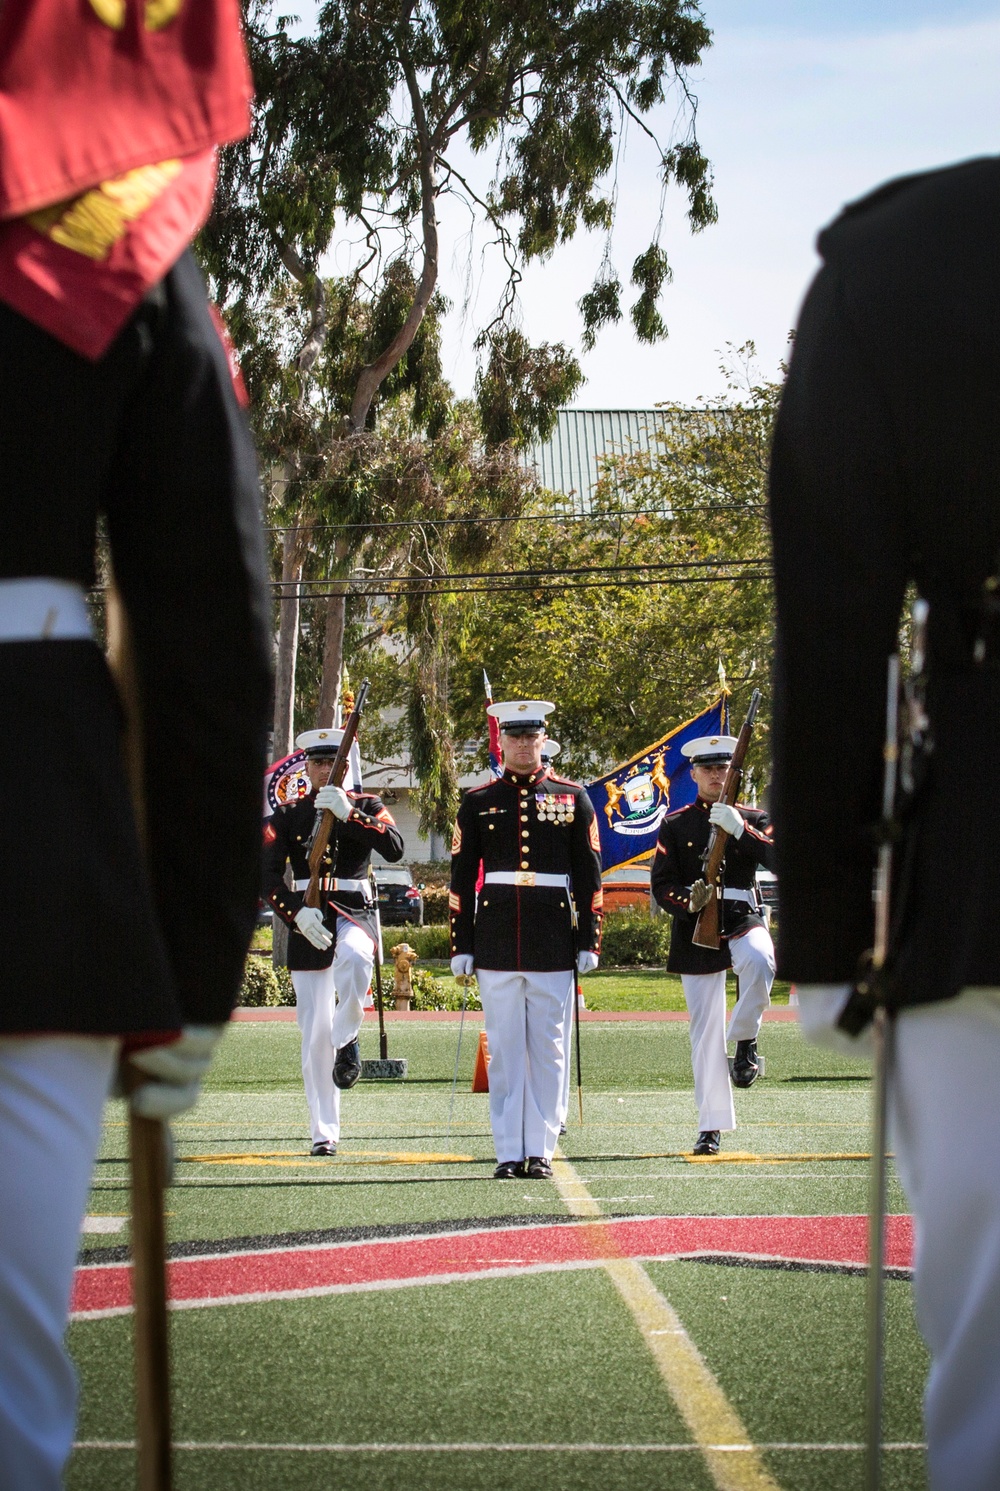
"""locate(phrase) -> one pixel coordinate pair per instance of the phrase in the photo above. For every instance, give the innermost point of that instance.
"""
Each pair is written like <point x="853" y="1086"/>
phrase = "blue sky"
<point x="803" y="105"/>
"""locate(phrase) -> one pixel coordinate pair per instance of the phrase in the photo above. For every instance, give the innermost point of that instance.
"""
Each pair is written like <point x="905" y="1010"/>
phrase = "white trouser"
<point x="705" y="995"/>
<point x="753" y="964"/>
<point x="946" y="1138"/>
<point x="528" y="1019"/>
<point x="329" y="1009"/>
<point x="52" y="1092"/>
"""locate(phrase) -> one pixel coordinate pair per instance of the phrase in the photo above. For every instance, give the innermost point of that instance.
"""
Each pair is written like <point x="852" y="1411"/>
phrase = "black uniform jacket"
<point x="534" y="824"/>
<point x="677" y="864"/>
<point x="886" y="470"/>
<point x="104" y="936"/>
<point x="348" y="856"/>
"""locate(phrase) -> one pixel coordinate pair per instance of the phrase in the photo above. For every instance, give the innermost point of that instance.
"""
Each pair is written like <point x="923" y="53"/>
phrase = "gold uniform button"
<point x="524" y="833"/>
<point x="524" y="864"/>
<point x="524" y="817"/>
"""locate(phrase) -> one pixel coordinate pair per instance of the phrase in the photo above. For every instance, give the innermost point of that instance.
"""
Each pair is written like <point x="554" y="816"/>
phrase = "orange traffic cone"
<point x="480" y="1075"/>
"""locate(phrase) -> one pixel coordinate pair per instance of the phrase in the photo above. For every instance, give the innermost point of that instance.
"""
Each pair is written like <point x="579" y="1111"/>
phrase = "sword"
<point x="465" y="980"/>
<point x="883" y="1033"/>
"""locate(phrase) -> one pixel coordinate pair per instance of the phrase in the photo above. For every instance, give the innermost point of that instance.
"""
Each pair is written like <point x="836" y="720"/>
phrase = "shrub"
<point x="632" y="938"/>
<point x="286" y="994"/>
<point x="426" y="942"/>
<point x="436" y="903"/>
<point x="264" y="986"/>
<point x="430" y="993"/>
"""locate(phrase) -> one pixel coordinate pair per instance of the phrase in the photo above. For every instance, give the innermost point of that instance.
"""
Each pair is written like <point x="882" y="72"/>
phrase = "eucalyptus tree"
<point x="365" y="120"/>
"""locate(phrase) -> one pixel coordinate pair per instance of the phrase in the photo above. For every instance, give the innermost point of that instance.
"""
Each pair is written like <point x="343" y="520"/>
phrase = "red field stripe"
<point x="838" y="1240"/>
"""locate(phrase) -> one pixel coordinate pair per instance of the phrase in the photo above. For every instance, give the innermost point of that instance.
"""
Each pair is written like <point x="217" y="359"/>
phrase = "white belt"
<point x="330" y="884"/>
<point x="37" y="610"/>
<point x="524" y="877"/>
<point x="737" y="893"/>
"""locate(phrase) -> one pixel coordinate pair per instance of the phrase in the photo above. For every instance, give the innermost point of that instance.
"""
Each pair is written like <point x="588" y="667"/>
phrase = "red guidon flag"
<point x="110" y="113"/>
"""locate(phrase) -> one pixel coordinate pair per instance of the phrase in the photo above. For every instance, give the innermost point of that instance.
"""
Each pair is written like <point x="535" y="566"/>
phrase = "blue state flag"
<point x="632" y="801"/>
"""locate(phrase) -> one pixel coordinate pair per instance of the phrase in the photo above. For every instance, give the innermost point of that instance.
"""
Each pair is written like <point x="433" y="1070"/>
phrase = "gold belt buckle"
<point x="524" y="877"/>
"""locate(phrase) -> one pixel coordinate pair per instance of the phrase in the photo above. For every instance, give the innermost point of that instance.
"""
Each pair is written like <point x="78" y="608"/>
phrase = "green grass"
<point x="551" y="1358"/>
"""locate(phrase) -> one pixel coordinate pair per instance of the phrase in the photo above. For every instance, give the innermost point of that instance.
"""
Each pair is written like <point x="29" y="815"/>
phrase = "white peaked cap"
<point x="709" y="750"/>
<point x="528" y="713"/>
<point x="319" y="742"/>
<point x="551" y="748"/>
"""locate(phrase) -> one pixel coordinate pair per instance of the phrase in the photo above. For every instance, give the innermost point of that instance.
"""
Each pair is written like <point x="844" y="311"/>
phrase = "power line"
<point x="645" y="512"/>
<point x="530" y="574"/>
<point x="373" y="587"/>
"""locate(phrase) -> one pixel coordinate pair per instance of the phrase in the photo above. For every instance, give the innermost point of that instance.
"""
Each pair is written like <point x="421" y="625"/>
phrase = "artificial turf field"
<point x="394" y="1318"/>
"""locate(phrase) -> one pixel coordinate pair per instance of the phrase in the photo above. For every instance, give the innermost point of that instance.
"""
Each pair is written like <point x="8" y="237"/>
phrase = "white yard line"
<point x="475" y="1447"/>
<point x="732" y="1458"/>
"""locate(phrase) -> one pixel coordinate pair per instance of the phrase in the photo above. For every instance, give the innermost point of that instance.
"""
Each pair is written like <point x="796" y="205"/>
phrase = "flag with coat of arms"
<point x="632" y="801"/>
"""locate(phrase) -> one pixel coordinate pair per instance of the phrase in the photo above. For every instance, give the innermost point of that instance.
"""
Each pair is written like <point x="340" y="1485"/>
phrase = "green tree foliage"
<point x="626" y="661"/>
<point x="359" y="124"/>
<point x="364" y="119"/>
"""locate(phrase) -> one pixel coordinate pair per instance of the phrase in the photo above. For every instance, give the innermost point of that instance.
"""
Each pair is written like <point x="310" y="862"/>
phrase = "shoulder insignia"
<point x="482" y="786"/>
<point x="269" y="833"/>
<point x="597" y="902"/>
<point x="567" y="781"/>
<point x="454" y="901"/>
<point x="384" y="816"/>
<point x="594" y="835"/>
<point x="456" y="840"/>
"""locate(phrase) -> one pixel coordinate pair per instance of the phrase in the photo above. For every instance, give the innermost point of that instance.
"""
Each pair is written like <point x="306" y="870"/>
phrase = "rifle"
<point x="325" y="820"/>
<point x="149" y="1141"/>
<point x="708" y="927"/>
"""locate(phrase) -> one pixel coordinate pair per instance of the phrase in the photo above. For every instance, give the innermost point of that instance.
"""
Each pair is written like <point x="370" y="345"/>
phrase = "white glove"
<point x="178" y="1068"/>
<point x="727" y="818"/>
<point x="309" y="920"/>
<point x="586" y="962"/>
<point x="336" y="801"/>
<point x="820" y="1006"/>
<point x="463" y="965"/>
<point x="701" y="894"/>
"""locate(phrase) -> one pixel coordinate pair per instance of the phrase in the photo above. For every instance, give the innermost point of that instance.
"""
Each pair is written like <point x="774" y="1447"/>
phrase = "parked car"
<point x="768" y="885"/>
<point x="399" y="898"/>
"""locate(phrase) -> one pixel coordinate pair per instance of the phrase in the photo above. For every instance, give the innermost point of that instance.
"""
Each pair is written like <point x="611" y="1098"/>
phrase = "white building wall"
<point x="418" y="850"/>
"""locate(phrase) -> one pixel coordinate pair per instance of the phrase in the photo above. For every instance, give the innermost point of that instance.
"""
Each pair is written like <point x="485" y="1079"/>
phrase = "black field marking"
<point x="121" y="1253"/>
<point x="787" y="1265"/>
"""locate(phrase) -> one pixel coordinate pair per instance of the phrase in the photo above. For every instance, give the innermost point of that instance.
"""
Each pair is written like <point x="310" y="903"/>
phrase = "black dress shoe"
<point x="707" y="1142"/>
<point x="509" y="1170"/>
<point x="347" y="1065"/>
<point x="537" y="1168"/>
<point x="562" y="1129"/>
<point x="323" y="1149"/>
<point x="745" y="1066"/>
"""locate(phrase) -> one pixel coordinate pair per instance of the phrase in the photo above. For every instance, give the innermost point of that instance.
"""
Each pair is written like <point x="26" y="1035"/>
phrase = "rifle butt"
<point x="706" y="929"/>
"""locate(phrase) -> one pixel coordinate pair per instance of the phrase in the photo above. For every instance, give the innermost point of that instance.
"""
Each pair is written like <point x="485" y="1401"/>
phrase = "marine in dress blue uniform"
<point x="745" y="944"/>
<point x="535" y="923"/>
<point x="884" y="474"/>
<point x="118" y="409"/>
<point x="331" y="949"/>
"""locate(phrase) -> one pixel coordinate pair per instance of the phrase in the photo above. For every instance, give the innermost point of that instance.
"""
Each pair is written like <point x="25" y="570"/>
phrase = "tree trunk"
<point x="333" y="660"/>
<point x="288" y="644"/>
